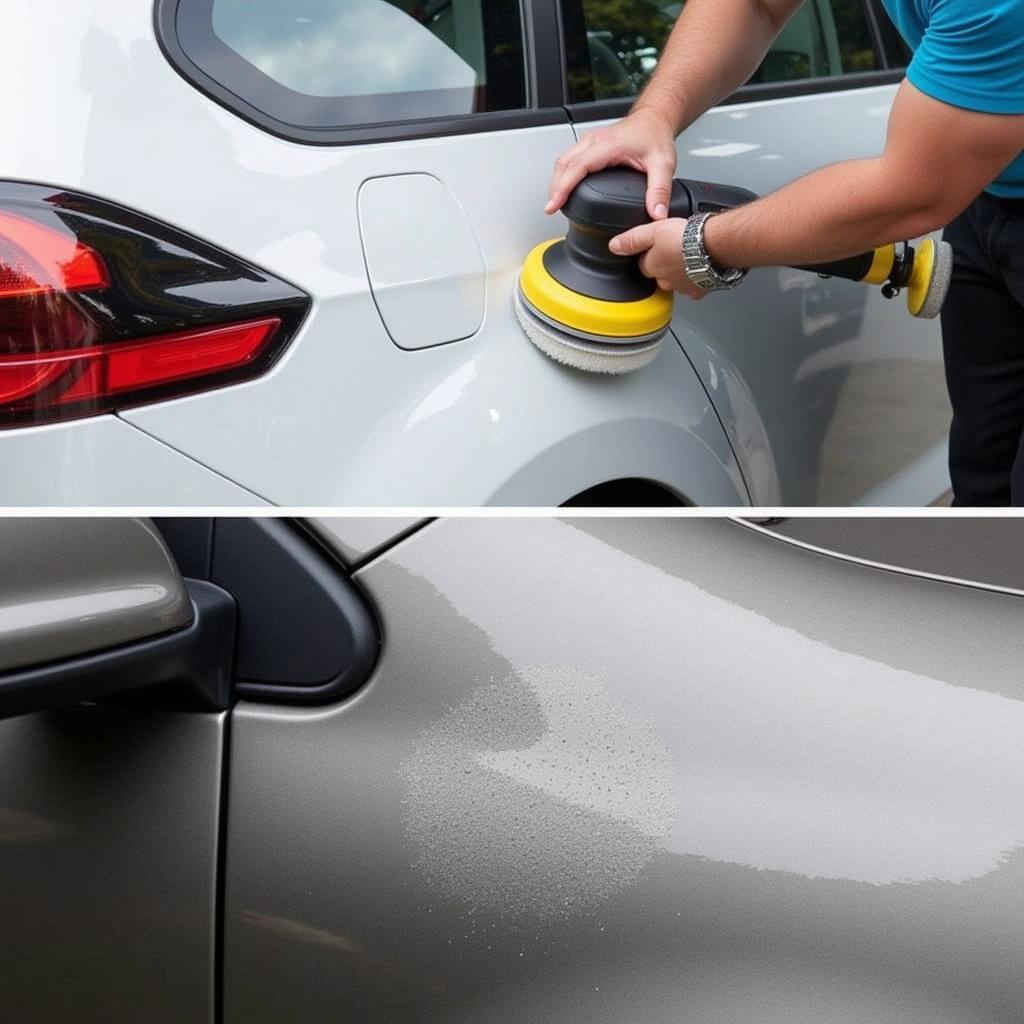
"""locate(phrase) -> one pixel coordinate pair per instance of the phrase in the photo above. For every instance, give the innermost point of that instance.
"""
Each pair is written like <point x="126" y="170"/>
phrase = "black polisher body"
<point x="607" y="203"/>
<point x="611" y="201"/>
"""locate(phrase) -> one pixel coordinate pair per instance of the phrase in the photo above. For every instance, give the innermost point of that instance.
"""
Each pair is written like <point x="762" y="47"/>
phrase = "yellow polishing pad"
<point x="592" y="316"/>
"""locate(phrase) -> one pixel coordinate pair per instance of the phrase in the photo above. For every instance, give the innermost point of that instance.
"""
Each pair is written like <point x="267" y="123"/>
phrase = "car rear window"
<point x="323" y="64"/>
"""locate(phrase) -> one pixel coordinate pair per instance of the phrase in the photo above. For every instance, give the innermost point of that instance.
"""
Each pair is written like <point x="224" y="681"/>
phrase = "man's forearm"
<point x="833" y="213"/>
<point x="715" y="46"/>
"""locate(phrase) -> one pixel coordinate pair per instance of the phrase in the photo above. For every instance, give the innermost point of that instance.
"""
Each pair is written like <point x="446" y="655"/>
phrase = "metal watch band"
<point x="697" y="263"/>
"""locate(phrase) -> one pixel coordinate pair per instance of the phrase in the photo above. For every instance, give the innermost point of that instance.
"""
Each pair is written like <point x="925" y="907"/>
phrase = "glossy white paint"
<point x="347" y="417"/>
<point x="425" y="267"/>
<point x="105" y="461"/>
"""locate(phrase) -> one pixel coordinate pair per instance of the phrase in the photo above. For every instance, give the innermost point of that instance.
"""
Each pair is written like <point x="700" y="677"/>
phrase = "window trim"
<point x="543" y="104"/>
<point x="889" y="40"/>
<point x="875" y="31"/>
<point x="599" y="110"/>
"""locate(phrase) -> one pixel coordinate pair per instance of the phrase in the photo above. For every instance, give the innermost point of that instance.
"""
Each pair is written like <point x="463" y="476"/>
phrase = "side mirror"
<point x="90" y="608"/>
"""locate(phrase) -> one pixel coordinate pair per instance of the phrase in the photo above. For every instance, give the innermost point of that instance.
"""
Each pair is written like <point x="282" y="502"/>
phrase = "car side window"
<point x="624" y="43"/>
<point x="344" y="63"/>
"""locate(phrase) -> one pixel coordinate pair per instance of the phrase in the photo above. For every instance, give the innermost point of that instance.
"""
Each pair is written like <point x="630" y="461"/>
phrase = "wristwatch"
<point x="697" y="263"/>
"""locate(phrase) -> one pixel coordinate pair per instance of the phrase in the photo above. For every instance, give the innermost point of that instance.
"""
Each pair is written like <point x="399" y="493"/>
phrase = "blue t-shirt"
<point x="968" y="53"/>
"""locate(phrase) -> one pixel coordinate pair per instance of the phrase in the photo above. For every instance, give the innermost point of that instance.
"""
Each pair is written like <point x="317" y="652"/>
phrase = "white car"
<point x="260" y="252"/>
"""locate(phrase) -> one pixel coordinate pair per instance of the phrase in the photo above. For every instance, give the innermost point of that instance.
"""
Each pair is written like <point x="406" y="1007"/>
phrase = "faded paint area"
<point x="538" y="795"/>
<point x="854" y="741"/>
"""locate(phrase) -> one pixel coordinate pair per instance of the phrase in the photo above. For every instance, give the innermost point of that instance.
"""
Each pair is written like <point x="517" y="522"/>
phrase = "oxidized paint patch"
<point x="538" y="795"/>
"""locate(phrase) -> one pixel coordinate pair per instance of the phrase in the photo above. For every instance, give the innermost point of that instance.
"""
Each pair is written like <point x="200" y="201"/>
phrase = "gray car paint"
<point x="622" y="770"/>
<point x="108" y="833"/>
<point x="951" y="547"/>
<point x="72" y="586"/>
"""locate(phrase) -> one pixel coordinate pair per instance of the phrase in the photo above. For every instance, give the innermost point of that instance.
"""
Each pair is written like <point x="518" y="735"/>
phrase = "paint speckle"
<point x="537" y="796"/>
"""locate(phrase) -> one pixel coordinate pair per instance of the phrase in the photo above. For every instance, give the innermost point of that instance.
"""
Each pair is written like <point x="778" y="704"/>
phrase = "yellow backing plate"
<point x="921" y="276"/>
<point x="593" y="316"/>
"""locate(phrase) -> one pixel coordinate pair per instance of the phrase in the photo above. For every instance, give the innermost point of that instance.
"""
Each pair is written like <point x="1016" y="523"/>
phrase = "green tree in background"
<point x="626" y="37"/>
<point x="854" y="37"/>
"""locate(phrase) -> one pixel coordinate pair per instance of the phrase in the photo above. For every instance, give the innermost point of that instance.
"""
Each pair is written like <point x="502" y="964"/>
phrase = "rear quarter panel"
<point x="346" y="417"/>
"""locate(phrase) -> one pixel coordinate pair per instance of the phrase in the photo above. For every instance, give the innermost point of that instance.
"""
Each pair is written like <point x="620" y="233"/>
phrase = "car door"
<point x="109" y="811"/>
<point x="639" y="770"/>
<point x="123" y="645"/>
<point x="830" y="394"/>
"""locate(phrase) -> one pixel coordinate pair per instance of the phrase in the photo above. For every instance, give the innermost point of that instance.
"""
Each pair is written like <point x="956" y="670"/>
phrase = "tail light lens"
<point x="102" y="308"/>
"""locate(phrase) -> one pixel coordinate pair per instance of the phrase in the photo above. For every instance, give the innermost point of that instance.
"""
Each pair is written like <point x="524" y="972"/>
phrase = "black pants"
<point x="983" y="341"/>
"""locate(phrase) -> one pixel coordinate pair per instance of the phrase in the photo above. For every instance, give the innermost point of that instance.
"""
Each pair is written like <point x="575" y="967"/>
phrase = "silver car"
<point x="254" y="252"/>
<point x="507" y="770"/>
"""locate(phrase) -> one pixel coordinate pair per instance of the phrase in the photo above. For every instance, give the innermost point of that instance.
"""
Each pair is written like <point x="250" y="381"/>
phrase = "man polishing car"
<point x="954" y="156"/>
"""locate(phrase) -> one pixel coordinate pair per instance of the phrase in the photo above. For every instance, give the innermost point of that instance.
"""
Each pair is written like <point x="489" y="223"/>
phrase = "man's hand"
<point x="660" y="247"/>
<point x="644" y="140"/>
<point x="715" y="46"/>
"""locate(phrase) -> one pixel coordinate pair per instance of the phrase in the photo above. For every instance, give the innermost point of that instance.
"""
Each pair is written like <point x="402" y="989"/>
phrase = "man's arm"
<point x="715" y="46"/>
<point x="937" y="159"/>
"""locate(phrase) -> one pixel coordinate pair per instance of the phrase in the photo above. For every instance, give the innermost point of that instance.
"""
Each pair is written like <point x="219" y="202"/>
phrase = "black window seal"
<point x="599" y="110"/>
<point x="543" y="93"/>
<point x="871" y="13"/>
<point x="888" y="36"/>
<point x="545" y="53"/>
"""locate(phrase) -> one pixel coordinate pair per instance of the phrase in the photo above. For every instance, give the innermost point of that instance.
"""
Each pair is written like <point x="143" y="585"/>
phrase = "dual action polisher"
<point x="588" y="308"/>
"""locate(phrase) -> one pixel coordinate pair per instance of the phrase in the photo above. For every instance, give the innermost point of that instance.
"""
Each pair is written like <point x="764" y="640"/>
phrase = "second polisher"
<point x="590" y="309"/>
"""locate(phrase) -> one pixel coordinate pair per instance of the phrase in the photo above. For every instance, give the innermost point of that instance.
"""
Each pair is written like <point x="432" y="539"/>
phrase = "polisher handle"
<point x="690" y="196"/>
<point x="873" y="267"/>
<point x="895" y="266"/>
<point x="614" y="200"/>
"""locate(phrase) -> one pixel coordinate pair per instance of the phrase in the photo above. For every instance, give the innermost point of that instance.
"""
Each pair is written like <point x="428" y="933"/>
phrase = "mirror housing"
<point x="94" y="607"/>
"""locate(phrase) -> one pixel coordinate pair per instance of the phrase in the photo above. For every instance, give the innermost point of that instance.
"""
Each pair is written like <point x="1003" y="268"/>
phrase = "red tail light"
<point x="35" y="259"/>
<point x="106" y="371"/>
<point x="101" y="308"/>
